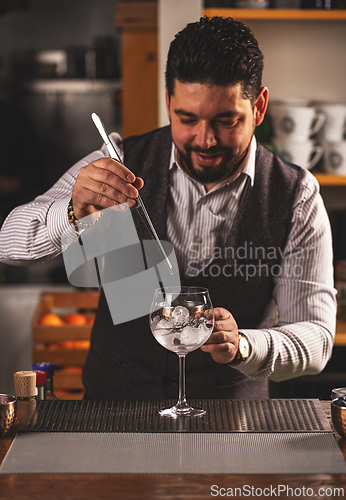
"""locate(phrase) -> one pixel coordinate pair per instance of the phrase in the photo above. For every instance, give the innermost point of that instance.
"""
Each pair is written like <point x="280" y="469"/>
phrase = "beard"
<point x="228" y="165"/>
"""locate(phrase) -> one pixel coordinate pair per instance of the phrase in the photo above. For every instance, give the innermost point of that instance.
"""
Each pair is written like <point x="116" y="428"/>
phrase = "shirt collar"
<point x="248" y="164"/>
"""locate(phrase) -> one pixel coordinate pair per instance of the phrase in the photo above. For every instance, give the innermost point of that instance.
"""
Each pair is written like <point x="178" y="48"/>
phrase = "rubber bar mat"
<point x="211" y="453"/>
<point x="270" y="415"/>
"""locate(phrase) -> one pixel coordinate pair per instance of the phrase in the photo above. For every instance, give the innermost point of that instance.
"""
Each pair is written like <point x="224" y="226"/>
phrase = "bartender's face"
<point x="212" y="127"/>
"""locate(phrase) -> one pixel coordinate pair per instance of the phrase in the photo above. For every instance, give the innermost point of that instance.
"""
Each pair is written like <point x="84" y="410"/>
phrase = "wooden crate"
<point x="57" y="344"/>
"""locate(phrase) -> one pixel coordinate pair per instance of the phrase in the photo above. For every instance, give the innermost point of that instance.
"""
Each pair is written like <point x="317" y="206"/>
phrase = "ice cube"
<point x="155" y="322"/>
<point x="165" y="325"/>
<point x="170" y="323"/>
<point x="188" y="335"/>
<point x="204" y="329"/>
<point x="180" y="314"/>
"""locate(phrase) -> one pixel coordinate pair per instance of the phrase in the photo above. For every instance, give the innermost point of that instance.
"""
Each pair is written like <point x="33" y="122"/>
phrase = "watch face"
<point x="244" y="348"/>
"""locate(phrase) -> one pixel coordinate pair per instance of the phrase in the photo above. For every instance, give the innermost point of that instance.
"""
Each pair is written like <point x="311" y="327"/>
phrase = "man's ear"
<point x="261" y="105"/>
<point x="167" y="105"/>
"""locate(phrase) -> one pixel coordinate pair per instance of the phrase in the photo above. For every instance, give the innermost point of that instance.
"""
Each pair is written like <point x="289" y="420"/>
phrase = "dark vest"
<point x="125" y="361"/>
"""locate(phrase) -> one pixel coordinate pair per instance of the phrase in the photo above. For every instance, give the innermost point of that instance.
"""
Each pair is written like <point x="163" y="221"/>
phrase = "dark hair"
<point x="216" y="51"/>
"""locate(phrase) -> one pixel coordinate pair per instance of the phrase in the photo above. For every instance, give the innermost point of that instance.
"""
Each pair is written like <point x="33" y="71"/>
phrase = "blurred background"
<point x="61" y="60"/>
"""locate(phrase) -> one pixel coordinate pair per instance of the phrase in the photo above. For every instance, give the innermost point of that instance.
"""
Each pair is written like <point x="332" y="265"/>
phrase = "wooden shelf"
<point x="280" y="14"/>
<point x="331" y="180"/>
<point x="340" y="335"/>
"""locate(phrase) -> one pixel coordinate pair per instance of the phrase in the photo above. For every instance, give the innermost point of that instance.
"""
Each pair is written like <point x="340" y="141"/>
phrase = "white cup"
<point x="295" y="122"/>
<point x="334" y="161"/>
<point x="334" y="127"/>
<point x="304" y="154"/>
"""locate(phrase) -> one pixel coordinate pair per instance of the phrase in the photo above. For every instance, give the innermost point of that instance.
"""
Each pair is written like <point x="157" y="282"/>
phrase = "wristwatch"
<point x="244" y="350"/>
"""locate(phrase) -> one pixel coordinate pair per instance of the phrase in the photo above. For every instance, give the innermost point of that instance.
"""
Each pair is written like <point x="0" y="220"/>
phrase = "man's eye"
<point x="189" y="121"/>
<point x="227" y="123"/>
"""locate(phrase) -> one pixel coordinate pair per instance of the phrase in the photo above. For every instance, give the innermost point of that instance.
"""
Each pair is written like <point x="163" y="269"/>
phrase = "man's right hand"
<point x="102" y="184"/>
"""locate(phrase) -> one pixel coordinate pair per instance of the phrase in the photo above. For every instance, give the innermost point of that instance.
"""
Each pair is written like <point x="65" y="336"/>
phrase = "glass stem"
<point x="182" y="404"/>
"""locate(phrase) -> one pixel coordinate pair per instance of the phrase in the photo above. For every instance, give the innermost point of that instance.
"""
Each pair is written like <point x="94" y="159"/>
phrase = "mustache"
<point x="214" y="150"/>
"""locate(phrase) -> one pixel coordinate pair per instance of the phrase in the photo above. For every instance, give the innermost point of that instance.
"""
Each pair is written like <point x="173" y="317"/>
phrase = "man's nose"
<point x="205" y="136"/>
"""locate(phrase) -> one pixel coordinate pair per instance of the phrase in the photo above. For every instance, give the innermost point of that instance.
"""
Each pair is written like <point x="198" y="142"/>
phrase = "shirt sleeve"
<point x="32" y="233"/>
<point x="302" y="341"/>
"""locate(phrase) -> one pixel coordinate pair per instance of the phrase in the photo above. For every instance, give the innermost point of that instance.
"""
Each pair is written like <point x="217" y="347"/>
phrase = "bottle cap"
<point x="25" y="384"/>
<point x="41" y="377"/>
<point x="45" y="367"/>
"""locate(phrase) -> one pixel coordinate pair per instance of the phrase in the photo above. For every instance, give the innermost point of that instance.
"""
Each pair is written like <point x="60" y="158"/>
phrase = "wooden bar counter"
<point x="164" y="486"/>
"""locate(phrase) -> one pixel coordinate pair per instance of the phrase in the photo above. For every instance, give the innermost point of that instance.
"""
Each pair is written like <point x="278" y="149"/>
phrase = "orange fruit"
<point x="77" y="319"/>
<point x="51" y="319"/>
<point x="82" y="344"/>
<point x="67" y="344"/>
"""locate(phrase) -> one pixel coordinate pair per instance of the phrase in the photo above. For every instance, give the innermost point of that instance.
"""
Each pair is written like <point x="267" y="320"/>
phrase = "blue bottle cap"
<point x="45" y="367"/>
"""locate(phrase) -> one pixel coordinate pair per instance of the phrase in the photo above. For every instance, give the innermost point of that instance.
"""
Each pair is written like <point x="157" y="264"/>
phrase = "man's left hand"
<point x="223" y="342"/>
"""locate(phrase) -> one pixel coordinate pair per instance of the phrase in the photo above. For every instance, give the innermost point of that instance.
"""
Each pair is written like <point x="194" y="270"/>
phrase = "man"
<point x="243" y="223"/>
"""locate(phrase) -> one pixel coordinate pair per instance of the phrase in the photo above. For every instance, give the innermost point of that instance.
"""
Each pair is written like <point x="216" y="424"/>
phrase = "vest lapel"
<point x="149" y="159"/>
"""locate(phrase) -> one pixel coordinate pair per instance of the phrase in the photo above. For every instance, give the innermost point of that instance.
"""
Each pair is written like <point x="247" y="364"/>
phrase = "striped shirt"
<point x="198" y="223"/>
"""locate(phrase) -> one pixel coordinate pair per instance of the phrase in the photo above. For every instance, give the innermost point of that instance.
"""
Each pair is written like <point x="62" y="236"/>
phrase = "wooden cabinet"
<point x="138" y="24"/>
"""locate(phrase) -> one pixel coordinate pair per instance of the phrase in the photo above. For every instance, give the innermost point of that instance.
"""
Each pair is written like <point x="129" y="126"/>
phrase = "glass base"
<point x="186" y="411"/>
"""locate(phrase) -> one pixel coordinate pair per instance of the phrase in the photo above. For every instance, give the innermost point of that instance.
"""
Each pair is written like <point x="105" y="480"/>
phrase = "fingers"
<point x="223" y="320"/>
<point x="138" y="183"/>
<point x="221" y="314"/>
<point x="223" y="342"/>
<point x="221" y="352"/>
<point x="103" y="184"/>
<point x="219" y="338"/>
<point x="113" y="166"/>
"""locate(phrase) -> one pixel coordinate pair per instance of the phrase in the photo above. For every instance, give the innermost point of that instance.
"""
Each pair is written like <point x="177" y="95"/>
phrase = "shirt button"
<point x="197" y="239"/>
<point x="203" y="201"/>
<point x="31" y="254"/>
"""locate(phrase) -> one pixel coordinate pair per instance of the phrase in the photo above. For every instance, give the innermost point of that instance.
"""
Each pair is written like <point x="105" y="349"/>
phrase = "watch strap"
<point x="238" y="357"/>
